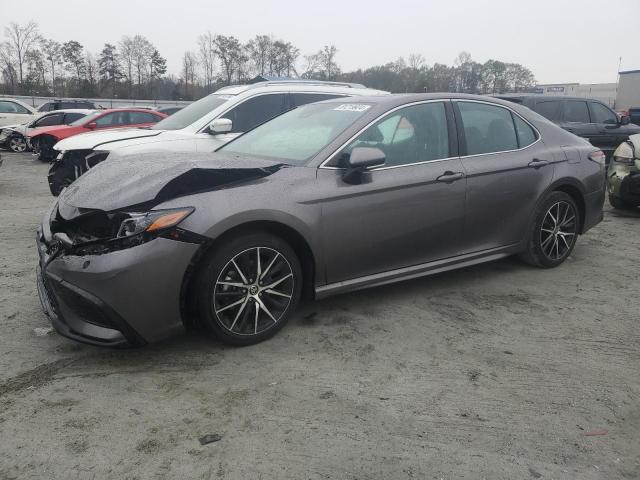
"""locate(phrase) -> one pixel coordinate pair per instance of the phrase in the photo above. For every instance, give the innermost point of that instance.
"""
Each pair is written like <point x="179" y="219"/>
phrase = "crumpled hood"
<point x="91" y="140"/>
<point x="152" y="178"/>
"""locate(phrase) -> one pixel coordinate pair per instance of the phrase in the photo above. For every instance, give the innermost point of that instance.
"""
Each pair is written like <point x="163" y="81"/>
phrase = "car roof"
<point x="523" y="96"/>
<point x="302" y="86"/>
<point x="72" y="110"/>
<point x="144" y="110"/>
<point x="9" y="99"/>
<point x="397" y="99"/>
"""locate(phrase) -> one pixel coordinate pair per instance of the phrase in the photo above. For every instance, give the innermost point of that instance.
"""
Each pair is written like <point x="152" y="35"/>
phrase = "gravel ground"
<point x="499" y="371"/>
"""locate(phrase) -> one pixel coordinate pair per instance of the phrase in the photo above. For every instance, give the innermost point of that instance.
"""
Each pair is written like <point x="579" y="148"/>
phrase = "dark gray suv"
<point x="587" y="118"/>
<point x="327" y="198"/>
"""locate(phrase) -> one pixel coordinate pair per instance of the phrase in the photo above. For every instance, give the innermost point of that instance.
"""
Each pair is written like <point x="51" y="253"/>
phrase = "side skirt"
<point x="415" y="271"/>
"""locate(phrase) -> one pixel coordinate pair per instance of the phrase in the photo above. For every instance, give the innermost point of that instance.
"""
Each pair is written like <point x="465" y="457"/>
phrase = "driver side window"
<point x="410" y="135"/>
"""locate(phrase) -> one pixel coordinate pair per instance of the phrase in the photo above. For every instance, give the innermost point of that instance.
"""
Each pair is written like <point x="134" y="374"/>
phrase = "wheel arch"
<point x="575" y="190"/>
<point x="292" y="236"/>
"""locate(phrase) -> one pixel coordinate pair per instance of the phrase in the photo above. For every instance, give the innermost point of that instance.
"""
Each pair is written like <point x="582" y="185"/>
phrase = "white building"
<point x="628" y="90"/>
<point x="605" y="92"/>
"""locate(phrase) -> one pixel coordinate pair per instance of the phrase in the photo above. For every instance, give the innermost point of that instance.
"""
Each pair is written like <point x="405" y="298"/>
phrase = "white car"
<point x="202" y="126"/>
<point x="14" y="137"/>
<point x="15" y="112"/>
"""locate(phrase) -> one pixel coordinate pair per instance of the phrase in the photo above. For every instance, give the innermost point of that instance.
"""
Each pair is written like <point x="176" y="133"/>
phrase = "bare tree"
<point x="142" y="51"/>
<point x="189" y="62"/>
<point x="207" y="53"/>
<point x="416" y="61"/>
<point x="20" y="40"/>
<point x="53" y="54"/>
<point x="92" y="69"/>
<point x="260" y="52"/>
<point x="229" y="51"/>
<point x="7" y="67"/>
<point x="126" y="55"/>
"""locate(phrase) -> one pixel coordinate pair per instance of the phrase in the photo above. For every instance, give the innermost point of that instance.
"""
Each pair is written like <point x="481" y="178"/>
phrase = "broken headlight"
<point x="152" y="221"/>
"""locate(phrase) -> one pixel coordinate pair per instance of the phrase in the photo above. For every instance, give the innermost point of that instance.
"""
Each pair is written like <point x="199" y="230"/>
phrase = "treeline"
<point x="31" y="64"/>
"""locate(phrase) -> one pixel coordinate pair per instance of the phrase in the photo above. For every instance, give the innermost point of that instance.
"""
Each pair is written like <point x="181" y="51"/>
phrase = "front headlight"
<point x="153" y="221"/>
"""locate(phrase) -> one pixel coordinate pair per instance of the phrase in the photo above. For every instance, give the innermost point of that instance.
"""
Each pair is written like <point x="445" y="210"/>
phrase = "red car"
<point x="43" y="139"/>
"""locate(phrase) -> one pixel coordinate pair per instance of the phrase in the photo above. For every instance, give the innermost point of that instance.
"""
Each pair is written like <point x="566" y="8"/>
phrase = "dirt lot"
<point x="498" y="371"/>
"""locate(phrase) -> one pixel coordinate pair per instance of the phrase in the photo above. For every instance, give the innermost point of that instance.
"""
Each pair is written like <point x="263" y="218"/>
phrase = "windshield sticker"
<point x="353" y="107"/>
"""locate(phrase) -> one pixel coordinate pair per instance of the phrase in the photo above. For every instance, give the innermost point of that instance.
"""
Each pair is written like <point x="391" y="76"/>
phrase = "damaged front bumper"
<point x="126" y="297"/>
<point x="624" y="182"/>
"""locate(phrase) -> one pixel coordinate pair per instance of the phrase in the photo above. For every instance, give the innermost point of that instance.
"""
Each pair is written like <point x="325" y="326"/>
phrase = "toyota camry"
<point x="327" y="198"/>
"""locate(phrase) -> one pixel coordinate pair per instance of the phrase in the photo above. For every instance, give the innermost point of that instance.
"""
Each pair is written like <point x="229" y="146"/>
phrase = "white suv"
<point x="203" y="126"/>
<point x="15" y="112"/>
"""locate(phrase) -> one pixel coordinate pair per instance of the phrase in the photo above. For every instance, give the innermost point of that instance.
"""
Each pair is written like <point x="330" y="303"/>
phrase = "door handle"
<point x="450" y="177"/>
<point x="536" y="163"/>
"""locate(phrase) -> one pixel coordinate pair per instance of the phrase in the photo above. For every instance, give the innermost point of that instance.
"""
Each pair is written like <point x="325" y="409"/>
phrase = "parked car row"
<point x="301" y="198"/>
<point x="13" y="136"/>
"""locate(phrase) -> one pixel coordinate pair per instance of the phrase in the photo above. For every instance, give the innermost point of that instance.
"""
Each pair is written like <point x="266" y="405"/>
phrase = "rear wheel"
<point x="249" y="288"/>
<point x="554" y="232"/>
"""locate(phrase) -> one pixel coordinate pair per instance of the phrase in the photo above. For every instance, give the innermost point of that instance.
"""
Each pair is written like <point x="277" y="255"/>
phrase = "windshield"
<point x="88" y="118"/>
<point x="192" y="113"/>
<point x="297" y="136"/>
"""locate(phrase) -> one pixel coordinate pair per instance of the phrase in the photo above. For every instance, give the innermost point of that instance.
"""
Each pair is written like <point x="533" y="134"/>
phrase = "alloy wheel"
<point x="558" y="230"/>
<point x="253" y="291"/>
<point x="17" y="144"/>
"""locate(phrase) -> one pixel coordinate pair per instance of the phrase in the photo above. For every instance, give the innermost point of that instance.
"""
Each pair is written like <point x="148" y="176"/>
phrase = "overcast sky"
<point x="559" y="40"/>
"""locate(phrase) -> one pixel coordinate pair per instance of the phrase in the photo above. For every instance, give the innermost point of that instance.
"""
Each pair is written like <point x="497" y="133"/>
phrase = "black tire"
<point x="59" y="177"/>
<point x="543" y="237"/>
<point x="618" y="203"/>
<point x="251" y="320"/>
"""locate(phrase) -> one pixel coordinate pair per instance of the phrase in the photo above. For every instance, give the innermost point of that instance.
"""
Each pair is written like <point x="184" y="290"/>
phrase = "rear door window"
<point x="575" y="111"/>
<point x="601" y="114"/>
<point x="487" y="128"/>
<point x="549" y="109"/>
<point x="72" y="117"/>
<point x="142" y="117"/>
<point x="255" y="111"/>
<point x="11" y="107"/>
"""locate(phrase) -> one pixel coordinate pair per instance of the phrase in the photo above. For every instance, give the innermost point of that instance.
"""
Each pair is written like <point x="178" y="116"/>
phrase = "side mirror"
<point x="625" y="120"/>
<point x="361" y="159"/>
<point x="92" y="125"/>
<point x="220" y="125"/>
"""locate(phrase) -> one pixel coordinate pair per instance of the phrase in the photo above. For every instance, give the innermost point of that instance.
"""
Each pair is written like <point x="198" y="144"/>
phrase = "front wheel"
<point x="17" y="144"/>
<point x="554" y="232"/>
<point x="248" y="288"/>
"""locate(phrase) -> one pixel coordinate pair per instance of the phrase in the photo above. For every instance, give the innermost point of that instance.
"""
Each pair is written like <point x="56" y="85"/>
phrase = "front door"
<point x="409" y="211"/>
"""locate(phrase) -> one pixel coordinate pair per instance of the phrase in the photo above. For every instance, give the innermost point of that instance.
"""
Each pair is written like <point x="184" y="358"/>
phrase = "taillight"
<point x="598" y="156"/>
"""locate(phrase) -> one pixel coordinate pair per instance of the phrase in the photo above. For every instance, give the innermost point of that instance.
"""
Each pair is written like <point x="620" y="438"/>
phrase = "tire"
<point x="59" y="177"/>
<point x="232" y="303"/>
<point x="619" y="203"/>
<point x="17" y="144"/>
<point x="549" y="244"/>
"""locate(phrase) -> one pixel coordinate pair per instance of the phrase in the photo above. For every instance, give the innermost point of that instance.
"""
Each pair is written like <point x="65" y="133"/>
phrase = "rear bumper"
<point x="593" y="214"/>
<point x="123" y="298"/>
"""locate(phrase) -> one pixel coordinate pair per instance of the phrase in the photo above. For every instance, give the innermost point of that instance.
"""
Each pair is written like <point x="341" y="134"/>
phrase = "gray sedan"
<point x="327" y="198"/>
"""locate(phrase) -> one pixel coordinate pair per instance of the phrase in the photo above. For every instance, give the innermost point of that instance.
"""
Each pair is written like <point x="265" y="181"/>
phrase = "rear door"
<point x="409" y="211"/>
<point x="507" y="168"/>
<point x="576" y="119"/>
